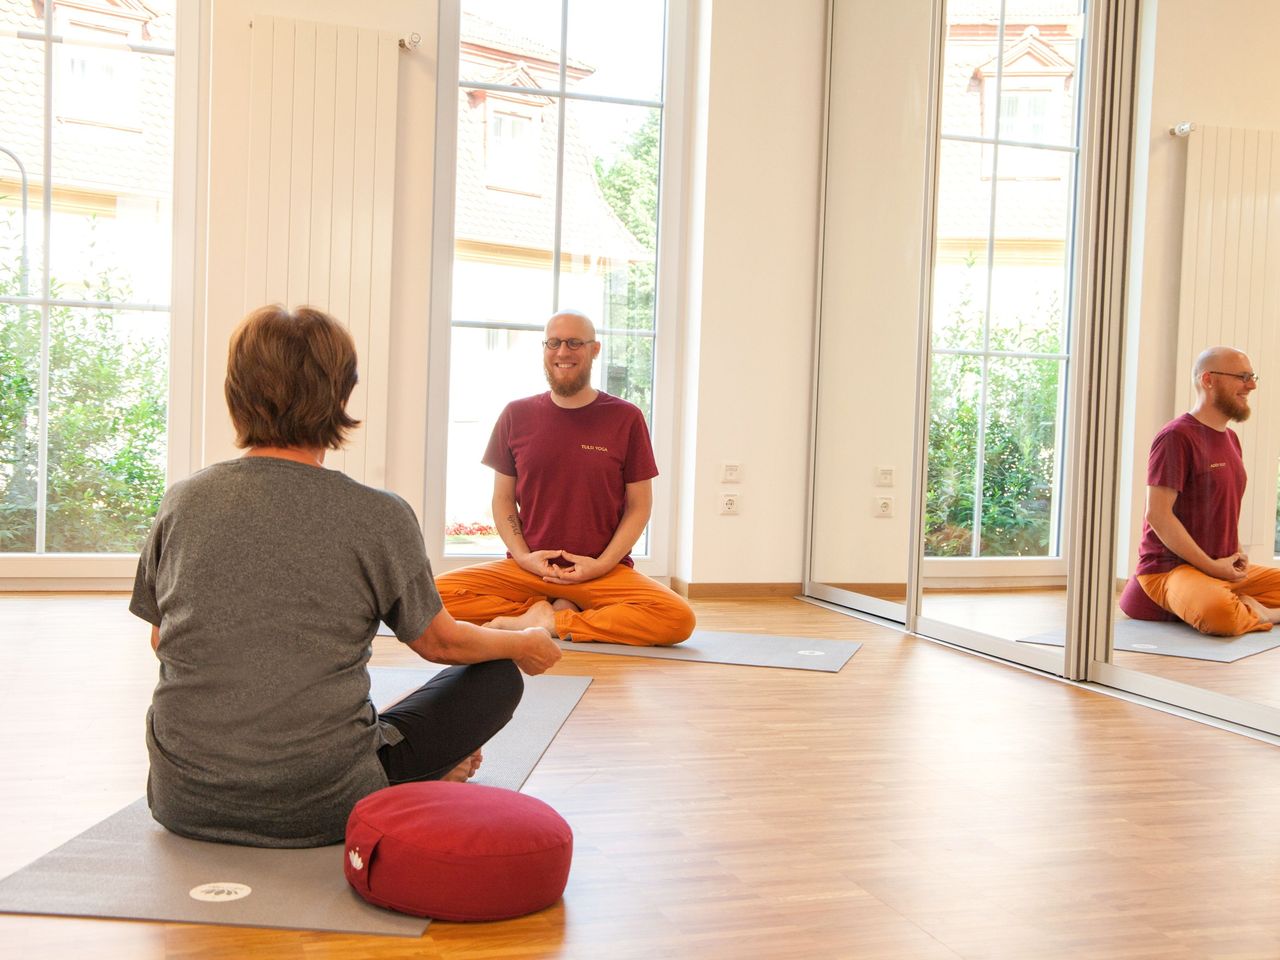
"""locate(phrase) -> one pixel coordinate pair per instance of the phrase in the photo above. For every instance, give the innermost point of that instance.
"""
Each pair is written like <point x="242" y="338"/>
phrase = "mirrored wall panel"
<point x="1206" y="273"/>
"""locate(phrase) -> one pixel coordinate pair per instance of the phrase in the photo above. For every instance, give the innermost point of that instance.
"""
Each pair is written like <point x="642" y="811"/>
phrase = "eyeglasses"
<point x="1245" y="378"/>
<point x="573" y="343"/>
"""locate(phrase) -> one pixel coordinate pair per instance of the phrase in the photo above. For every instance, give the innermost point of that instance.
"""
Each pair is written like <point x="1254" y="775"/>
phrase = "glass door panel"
<point x="993" y="573"/>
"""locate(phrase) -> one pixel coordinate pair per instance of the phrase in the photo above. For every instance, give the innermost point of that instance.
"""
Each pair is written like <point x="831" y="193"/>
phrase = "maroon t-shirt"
<point x="1205" y="467"/>
<point x="571" y="468"/>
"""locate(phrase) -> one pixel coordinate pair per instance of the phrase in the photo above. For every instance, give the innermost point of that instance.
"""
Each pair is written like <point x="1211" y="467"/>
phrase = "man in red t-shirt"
<point x="572" y="492"/>
<point x="1189" y="563"/>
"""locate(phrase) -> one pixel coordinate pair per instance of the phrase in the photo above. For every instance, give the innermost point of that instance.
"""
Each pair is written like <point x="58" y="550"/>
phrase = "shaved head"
<point x="1214" y="359"/>
<point x="572" y="319"/>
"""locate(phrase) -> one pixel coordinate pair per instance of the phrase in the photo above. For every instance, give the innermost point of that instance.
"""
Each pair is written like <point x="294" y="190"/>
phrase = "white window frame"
<point x="657" y="561"/>
<point x="115" y="571"/>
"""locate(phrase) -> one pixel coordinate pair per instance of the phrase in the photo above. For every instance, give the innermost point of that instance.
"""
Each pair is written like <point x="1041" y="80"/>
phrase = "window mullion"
<point x="557" y="94"/>
<point x="46" y="209"/>
<point x="560" y="117"/>
<point x="980" y="452"/>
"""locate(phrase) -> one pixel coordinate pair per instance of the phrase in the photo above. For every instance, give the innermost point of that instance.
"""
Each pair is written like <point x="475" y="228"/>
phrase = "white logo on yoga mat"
<point x="220" y="892"/>
<point x="812" y="653"/>
<point x="1144" y="646"/>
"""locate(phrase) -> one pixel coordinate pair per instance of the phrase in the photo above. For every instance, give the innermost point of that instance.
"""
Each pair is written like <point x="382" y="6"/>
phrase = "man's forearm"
<point x="506" y="518"/>
<point x="632" y="524"/>
<point x="1175" y="536"/>
<point x="451" y="641"/>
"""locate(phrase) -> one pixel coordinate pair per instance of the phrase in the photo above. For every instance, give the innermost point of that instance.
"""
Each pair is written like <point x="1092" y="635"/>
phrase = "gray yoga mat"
<point x="130" y="867"/>
<point x="1171" y="639"/>
<point x="746" y="649"/>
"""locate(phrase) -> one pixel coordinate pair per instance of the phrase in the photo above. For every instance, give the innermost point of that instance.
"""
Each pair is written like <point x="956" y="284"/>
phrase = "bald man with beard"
<point x="1190" y="566"/>
<point x="572" y="492"/>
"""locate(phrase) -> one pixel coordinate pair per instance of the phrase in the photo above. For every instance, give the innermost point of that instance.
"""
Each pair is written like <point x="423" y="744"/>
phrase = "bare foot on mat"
<point x="1265" y="614"/>
<point x="540" y="614"/>
<point x="465" y="770"/>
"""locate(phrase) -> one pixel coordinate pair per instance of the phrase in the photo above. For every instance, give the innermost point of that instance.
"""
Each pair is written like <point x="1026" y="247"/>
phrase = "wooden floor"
<point x="920" y="804"/>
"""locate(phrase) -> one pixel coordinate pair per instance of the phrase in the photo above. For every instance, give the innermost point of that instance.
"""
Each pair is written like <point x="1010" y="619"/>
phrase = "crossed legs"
<point x="621" y="607"/>
<point x="1219" y="607"/>
<point x="446" y="721"/>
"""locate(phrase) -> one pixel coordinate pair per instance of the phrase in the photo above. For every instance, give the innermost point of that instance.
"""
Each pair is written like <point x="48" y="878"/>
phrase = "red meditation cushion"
<point x="1138" y="606"/>
<point x="457" y="851"/>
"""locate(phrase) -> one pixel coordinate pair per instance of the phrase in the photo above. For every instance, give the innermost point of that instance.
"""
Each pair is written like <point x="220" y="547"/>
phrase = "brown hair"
<point x="289" y="376"/>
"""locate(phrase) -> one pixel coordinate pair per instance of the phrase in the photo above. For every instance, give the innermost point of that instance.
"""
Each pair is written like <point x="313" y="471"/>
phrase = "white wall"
<point x="1212" y="64"/>
<point x="750" y="301"/>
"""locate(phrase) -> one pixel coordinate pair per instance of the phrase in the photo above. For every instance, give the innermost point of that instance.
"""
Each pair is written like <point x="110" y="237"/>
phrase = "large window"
<point x="1002" y="277"/>
<point x="559" y="126"/>
<point x="86" y="172"/>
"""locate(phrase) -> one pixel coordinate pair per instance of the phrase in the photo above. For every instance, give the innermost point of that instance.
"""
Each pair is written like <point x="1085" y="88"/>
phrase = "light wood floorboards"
<point x="922" y="804"/>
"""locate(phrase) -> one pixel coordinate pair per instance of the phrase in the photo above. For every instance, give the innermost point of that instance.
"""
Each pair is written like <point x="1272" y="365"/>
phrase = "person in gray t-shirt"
<point x="264" y="579"/>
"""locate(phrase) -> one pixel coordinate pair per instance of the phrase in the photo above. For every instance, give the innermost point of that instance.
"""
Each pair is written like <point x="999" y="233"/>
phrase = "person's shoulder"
<point x="535" y="402"/>
<point x="198" y="484"/>
<point x="525" y="407"/>
<point x="618" y="407"/>
<point x="372" y="499"/>
<point x="1182" y="427"/>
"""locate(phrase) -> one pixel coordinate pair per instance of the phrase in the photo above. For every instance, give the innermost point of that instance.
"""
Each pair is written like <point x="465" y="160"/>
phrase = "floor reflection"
<point x="1018" y="614"/>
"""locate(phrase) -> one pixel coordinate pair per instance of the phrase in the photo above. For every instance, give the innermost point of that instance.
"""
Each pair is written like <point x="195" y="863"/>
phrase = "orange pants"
<point x="1211" y="605"/>
<point x="621" y="607"/>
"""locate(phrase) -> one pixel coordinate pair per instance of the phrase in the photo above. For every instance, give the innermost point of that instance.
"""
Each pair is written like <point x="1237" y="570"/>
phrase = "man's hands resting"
<point x="538" y="562"/>
<point x="1231" y="568"/>
<point x="580" y="570"/>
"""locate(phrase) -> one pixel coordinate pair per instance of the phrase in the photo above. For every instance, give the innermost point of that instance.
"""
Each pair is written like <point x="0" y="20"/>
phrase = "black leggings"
<point x="449" y="718"/>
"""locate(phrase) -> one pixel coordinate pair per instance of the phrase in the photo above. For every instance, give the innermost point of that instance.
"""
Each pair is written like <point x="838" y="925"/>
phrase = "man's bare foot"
<point x="465" y="770"/>
<point x="1265" y="614"/>
<point x="541" y="614"/>
<point x="560" y="603"/>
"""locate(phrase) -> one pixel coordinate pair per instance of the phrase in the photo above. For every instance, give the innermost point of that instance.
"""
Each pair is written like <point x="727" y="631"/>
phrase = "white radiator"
<point x="1231" y="294"/>
<point x="320" y="199"/>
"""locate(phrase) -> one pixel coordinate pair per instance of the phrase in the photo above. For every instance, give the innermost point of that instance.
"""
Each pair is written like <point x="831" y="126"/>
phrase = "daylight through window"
<point x="1002" y="277"/>
<point x="560" y="109"/>
<point x="86" y="173"/>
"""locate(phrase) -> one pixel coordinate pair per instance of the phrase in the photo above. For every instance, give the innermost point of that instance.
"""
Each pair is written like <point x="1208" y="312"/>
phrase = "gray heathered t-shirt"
<point x="268" y="579"/>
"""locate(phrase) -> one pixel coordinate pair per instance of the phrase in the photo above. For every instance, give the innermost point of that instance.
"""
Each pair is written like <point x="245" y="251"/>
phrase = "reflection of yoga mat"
<point x="1172" y="639"/>
<point x="130" y="867"/>
<point x="747" y="649"/>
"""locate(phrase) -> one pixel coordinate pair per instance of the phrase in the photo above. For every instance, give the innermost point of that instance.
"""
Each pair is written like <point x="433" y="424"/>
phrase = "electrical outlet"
<point x="730" y="473"/>
<point x="882" y="507"/>
<point x="730" y="504"/>
<point x="884" y="476"/>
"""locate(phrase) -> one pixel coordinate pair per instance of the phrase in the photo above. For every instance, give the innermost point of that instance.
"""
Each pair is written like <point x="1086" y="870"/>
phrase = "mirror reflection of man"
<point x="572" y="493"/>
<point x="1190" y="564"/>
